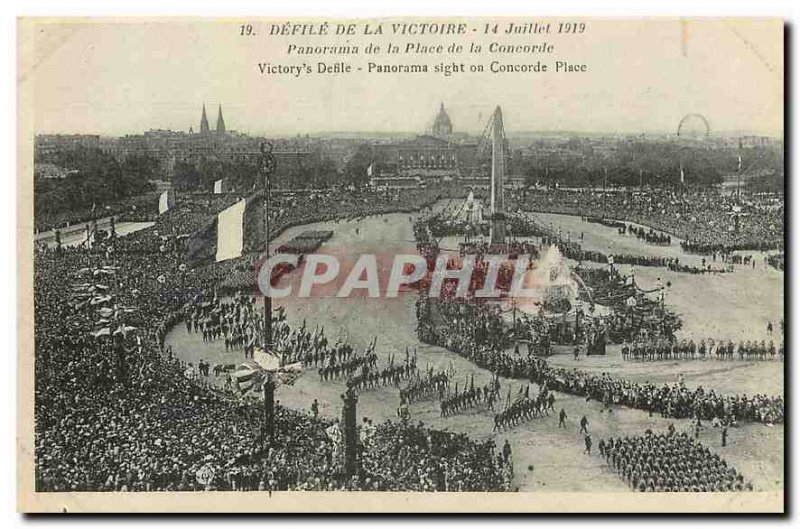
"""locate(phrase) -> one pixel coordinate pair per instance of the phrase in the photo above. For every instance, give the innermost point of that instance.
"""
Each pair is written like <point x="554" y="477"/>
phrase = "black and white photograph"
<point x="482" y="262"/>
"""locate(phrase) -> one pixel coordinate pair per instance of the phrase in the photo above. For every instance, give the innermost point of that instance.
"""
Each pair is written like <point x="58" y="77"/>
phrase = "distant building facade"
<point x="47" y="144"/>
<point x="437" y="155"/>
<point x="170" y="147"/>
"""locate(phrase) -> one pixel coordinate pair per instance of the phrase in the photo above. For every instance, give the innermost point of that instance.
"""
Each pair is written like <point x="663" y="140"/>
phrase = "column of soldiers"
<point x="370" y="377"/>
<point x="663" y="349"/>
<point x="433" y="384"/>
<point x="334" y="369"/>
<point x="525" y="408"/>
<point x="237" y="321"/>
<point x="670" y="462"/>
<point x="470" y="397"/>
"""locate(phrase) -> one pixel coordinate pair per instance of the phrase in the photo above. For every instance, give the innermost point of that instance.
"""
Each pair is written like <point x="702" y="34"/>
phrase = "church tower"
<point x="204" y="121"/>
<point x="220" y="122"/>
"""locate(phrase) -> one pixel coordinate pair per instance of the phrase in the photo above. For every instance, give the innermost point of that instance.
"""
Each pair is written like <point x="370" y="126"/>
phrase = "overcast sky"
<point x="113" y="79"/>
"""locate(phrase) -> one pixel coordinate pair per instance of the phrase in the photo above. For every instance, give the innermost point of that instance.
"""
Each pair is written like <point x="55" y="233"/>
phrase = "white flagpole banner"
<point x="163" y="203"/>
<point x="230" y="231"/>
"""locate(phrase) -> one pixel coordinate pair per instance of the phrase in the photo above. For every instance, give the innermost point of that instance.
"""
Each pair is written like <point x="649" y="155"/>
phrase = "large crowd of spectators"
<point x="707" y="221"/>
<point x="135" y="208"/>
<point x="115" y="411"/>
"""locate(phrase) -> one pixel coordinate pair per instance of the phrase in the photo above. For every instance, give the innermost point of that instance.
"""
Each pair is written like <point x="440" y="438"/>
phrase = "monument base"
<point x="497" y="232"/>
<point x="596" y="345"/>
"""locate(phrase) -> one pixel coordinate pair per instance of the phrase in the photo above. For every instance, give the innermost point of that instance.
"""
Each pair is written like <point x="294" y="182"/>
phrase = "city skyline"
<point x="203" y="127"/>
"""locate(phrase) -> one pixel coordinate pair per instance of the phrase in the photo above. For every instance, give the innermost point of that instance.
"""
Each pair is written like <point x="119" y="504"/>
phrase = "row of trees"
<point x="312" y="171"/>
<point x="96" y="179"/>
<point x="648" y="163"/>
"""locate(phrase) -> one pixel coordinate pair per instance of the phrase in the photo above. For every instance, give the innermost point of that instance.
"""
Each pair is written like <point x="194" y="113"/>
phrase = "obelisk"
<point x="498" y="217"/>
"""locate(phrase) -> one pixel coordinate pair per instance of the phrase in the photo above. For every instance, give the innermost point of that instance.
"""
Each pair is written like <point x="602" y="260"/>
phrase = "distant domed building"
<point x="442" y="126"/>
<point x="438" y="154"/>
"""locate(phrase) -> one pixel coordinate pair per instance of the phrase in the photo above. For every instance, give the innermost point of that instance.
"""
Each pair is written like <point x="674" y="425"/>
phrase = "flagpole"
<point x="739" y="172"/>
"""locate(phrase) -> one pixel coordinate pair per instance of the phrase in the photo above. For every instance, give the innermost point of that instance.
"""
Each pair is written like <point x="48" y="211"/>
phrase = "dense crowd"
<point x="430" y="460"/>
<point x="114" y="411"/>
<point x="635" y="312"/>
<point x="136" y="208"/>
<point x="707" y="221"/>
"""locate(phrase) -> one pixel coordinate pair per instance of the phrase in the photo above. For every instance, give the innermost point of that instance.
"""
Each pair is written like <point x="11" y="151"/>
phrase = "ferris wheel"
<point x="694" y="126"/>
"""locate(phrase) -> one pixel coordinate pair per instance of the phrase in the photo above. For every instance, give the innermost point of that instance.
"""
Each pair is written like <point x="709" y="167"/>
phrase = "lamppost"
<point x="267" y="167"/>
<point x="268" y="434"/>
<point x="350" y="432"/>
<point x="736" y="213"/>
<point x="514" y="303"/>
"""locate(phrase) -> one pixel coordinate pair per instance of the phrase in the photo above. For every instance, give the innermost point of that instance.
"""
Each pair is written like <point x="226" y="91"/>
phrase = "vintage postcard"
<point x="401" y="265"/>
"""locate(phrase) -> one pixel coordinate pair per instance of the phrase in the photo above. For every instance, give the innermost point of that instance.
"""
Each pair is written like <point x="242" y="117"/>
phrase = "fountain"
<point x="556" y="290"/>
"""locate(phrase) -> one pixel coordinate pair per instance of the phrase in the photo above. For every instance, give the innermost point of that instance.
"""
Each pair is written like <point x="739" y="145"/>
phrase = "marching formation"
<point x="525" y="408"/>
<point x="470" y="397"/>
<point x="657" y="350"/>
<point x="649" y="235"/>
<point x="369" y="377"/>
<point x="671" y="462"/>
<point x="431" y="385"/>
